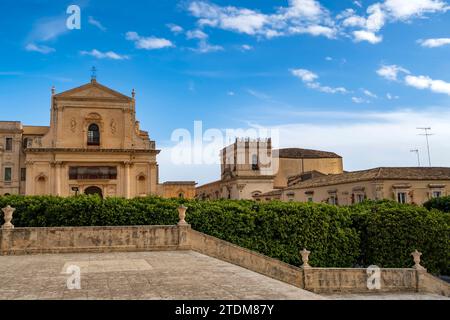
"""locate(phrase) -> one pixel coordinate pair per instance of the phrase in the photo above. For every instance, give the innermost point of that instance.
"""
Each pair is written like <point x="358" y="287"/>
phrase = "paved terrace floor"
<point x="182" y="275"/>
<point x="143" y="275"/>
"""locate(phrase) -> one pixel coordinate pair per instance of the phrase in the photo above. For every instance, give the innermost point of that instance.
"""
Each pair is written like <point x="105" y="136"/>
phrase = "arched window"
<point x="93" y="138"/>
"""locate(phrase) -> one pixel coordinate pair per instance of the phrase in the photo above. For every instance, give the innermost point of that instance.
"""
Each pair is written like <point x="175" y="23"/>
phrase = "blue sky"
<point x="354" y="77"/>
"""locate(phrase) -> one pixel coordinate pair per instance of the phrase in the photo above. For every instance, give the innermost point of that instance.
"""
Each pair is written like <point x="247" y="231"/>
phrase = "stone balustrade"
<point x="15" y="241"/>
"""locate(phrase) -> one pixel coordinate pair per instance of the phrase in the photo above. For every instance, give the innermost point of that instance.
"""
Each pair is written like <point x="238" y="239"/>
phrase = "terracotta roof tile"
<point x="390" y="173"/>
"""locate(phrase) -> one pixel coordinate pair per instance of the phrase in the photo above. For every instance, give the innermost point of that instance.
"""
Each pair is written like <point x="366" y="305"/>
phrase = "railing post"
<point x="183" y="229"/>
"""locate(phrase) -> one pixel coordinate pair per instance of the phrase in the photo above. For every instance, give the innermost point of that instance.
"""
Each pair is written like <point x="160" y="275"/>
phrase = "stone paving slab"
<point x="169" y="275"/>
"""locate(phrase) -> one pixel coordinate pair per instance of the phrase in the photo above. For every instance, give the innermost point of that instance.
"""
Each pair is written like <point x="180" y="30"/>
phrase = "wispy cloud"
<point x="148" y="43"/>
<point x="434" y="43"/>
<point x="176" y="29"/>
<point x="39" y="48"/>
<point x="104" y="55"/>
<point x="47" y="29"/>
<point x="390" y="72"/>
<point x="309" y="78"/>
<point x="96" y="23"/>
<point x="422" y="82"/>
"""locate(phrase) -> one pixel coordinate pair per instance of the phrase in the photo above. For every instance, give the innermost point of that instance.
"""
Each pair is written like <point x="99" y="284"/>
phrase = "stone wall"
<point x="245" y="258"/>
<point x="88" y="239"/>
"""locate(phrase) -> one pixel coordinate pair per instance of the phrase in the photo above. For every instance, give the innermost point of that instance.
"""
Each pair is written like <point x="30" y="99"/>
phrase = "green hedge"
<point x="389" y="232"/>
<point x="442" y="204"/>
<point x="382" y="233"/>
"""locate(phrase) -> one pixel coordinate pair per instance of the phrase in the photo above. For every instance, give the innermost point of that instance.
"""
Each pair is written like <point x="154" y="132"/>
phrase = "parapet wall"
<point x="88" y="239"/>
<point x="157" y="238"/>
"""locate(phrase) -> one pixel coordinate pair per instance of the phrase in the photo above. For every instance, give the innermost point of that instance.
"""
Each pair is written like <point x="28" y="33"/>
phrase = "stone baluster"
<point x="8" y="215"/>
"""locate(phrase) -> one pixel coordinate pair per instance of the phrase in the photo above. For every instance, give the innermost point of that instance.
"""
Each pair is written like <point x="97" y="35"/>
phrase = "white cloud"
<point x="39" y="48"/>
<point x="231" y="93"/>
<point x="362" y="35"/>
<point x="391" y="72"/>
<point x="370" y="94"/>
<point x="205" y="47"/>
<point x="310" y="17"/>
<point x="301" y="16"/>
<point x="329" y="58"/>
<point x="425" y="82"/>
<point x="176" y="29"/>
<point x="315" y="30"/>
<point x="359" y="100"/>
<point x="380" y="13"/>
<point x="148" y="43"/>
<point x="419" y="82"/>
<point x="407" y="9"/>
<point x="391" y="97"/>
<point x="104" y="55"/>
<point x="246" y="47"/>
<point x="196" y="34"/>
<point x="309" y="79"/>
<point x="304" y="75"/>
<point x="433" y="43"/>
<point x="96" y="23"/>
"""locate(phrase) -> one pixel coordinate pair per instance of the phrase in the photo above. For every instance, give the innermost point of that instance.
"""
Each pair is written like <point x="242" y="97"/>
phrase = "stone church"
<point x="94" y="145"/>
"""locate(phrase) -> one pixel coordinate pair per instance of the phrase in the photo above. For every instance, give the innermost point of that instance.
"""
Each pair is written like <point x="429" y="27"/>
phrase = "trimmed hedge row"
<point x="442" y="204"/>
<point x="382" y="233"/>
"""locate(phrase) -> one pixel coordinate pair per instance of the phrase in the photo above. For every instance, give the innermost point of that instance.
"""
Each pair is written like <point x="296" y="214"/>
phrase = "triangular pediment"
<point x="93" y="90"/>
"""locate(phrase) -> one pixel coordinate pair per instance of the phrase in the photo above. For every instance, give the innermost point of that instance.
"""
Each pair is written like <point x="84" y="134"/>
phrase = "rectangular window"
<point x="8" y="175"/>
<point x="9" y="144"/>
<point x="437" y="194"/>
<point x="333" y="201"/>
<point x="401" y="197"/>
<point x="310" y="199"/>
<point x="23" y="174"/>
<point x="360" y="198"/>
<point x="92" y="173"/>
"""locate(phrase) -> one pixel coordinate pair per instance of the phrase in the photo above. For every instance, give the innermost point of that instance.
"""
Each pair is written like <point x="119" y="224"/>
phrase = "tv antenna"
<point x="416" y="151"/>
<point x="427" y="134"/>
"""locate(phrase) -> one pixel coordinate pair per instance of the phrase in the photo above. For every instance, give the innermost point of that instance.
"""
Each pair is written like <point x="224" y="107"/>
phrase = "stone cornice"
<point x="82" y="150"/>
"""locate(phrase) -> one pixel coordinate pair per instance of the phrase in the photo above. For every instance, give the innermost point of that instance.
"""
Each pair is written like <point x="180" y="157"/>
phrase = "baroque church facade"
<point x="94" y="145"/>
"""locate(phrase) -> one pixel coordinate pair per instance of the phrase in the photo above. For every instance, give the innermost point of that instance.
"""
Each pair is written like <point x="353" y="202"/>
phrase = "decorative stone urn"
<point x="8" y="215"/>
<point x="305" y="258"/>
<point x="416" y="256"/>
<point x="182" y="215"/>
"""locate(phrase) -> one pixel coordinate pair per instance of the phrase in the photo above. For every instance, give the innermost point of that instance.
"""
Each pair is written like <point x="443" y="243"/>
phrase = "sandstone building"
<point x="404" y="185"/>
<point x="252" y="170"/>
<point x="94" y="145"/>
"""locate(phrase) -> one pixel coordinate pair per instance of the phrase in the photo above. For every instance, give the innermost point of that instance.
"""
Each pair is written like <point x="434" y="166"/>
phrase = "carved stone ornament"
<point x="113" y="125"/>
<point x="8" y="215"/>
<point x="305" y="258"/>
<point x="182" y="215"/>
<point x="73" y="125"/>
